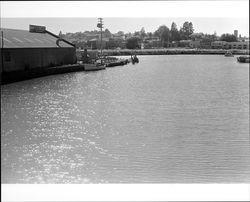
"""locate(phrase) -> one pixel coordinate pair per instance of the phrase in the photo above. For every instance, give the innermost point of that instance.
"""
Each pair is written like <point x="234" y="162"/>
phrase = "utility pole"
<point x="100" y="25"/>
<point x="2" y="63"/>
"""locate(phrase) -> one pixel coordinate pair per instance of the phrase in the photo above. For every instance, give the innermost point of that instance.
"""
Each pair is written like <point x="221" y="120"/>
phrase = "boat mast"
<point x="100" y="25"/>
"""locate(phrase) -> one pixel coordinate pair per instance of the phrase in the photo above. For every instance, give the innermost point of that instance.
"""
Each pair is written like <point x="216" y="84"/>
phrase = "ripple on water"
<point x="184" y="121"/>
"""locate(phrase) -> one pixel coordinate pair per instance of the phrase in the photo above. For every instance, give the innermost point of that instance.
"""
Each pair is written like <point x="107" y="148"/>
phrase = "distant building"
<point x="80" y="44"/>
<point x="243" y="39"/>
<point x="114" y="43"/>
<point x="118" y="36"/>
<point x="236" y="33"/>
<point x="36" y="48"/>
<point x="91" y="36"/>
<point x="230" y="45"/>
<point x="199" y="43"/>
<point x="205" y="43"/>
<point x="237" y="45"/>
<point x="154" y="43"/>
<point x="185" y="43"/>
<point x="195" y="44"/>
<point x="96" y="43"/>
<point x="174" y="44"/>
<point x="218" y="44"/>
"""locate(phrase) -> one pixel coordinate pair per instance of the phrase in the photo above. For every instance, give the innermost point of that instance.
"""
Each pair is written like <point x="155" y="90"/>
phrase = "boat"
<point x="134" y="59"/>
<point x="243" y="59"/>
<point x="118" y="62"/>
<point x="93" y="66"/>
<point x="229" y="54"/>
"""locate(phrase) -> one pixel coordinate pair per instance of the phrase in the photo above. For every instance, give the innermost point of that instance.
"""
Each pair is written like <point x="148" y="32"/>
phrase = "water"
<point x="168" y="119"/>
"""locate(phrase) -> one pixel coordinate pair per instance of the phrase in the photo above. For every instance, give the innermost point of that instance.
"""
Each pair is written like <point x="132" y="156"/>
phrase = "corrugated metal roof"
<point x="13" y="38"/>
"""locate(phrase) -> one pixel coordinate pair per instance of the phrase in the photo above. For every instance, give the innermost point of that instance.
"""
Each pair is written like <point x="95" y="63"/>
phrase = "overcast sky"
<point x="73" y="16"/>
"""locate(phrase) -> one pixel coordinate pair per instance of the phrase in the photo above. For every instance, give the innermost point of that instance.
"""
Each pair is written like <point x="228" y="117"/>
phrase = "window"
<point x="7" y="56"/>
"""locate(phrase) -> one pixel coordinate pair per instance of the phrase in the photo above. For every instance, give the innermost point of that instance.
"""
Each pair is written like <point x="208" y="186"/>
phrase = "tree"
<point x="174" y="33"/>
<point x="121" y="33"/>
<point x="142" y="33"/>
<point x="111" y="44"/>
<point x="196" y="36"/>
<point x="163" y="33"/>
<point x="107" y="33"/>
<point x="60" y="34"/>
<point x="150" y="35"/>
<point x="228" y="37"/>
<point x="128" y="35"/>
<point x="186" y="30"/>
<point x="137" y="33"/>
<point x="211" y="37"/>
<point x="133" y="43"/>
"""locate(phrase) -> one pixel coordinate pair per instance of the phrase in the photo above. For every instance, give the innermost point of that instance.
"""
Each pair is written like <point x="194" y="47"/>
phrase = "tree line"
<point x="164" y="34"/>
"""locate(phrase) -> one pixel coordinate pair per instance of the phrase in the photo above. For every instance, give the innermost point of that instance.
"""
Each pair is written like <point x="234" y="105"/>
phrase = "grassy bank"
<point x="172" y="51"/>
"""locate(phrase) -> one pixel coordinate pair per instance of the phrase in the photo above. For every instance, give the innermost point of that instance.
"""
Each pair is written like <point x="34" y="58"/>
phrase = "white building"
<point x="230" y="45"/>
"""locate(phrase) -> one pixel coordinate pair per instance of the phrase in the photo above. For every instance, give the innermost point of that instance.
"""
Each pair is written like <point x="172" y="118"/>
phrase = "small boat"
<point x="93" y="66"/>
<point x="134" y="59"/>
<point x="117" y="63"/>
<point x="243" y="59"/>
<point x="229" y="54"/>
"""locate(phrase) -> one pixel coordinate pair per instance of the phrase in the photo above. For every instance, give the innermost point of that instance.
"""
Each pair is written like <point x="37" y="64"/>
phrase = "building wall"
<point x="236" y="45"/>
<point x="230" y="45"/>
<point x="218" y="44"/>
<point x="195" y="44"/>
<point x="155" y="43"/>
<point x="96" y="44"/>
<point x="236" y="33"/>
<point x="15" y="59"/>
<point x="205" y="43"/>
<point x="184" y="43"/>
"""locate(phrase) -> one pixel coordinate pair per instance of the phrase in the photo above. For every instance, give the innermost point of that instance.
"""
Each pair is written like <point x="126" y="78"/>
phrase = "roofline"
<point x="36" y="48"/>
<point x="46" y="31"/>
<point x="54" y="35"/>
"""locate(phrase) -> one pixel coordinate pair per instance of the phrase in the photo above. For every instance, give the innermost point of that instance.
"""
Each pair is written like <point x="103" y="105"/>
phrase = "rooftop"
<point x="14" y="38"/>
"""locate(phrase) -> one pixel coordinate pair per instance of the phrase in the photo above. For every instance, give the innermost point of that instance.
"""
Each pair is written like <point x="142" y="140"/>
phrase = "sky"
<point x="128" y="16"/>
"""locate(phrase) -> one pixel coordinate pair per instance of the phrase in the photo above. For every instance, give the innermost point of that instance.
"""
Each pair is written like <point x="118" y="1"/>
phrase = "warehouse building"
<point x="36" y="48"/>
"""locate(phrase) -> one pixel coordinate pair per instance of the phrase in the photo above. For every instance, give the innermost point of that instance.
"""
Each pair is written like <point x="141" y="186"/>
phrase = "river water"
<point x="168" y="119"/>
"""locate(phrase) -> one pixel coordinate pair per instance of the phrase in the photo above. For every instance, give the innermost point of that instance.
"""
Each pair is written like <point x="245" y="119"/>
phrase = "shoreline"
<point x="10" y="77"/>
<point x="22" y="75"/>
<point x="170" y="51"/>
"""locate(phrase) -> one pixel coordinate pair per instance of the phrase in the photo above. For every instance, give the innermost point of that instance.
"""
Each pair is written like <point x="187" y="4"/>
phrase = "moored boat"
<point x="229" y="54"/>
<point x="117" y="63"/>
<point x="93" y="67"/>
<point x="243" y="59"/>
<point x="134" y="59"/>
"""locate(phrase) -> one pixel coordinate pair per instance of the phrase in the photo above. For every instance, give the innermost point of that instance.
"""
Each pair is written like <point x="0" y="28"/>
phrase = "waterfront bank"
<point x="175" y="51"/>
<point x="14" y="76"/>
